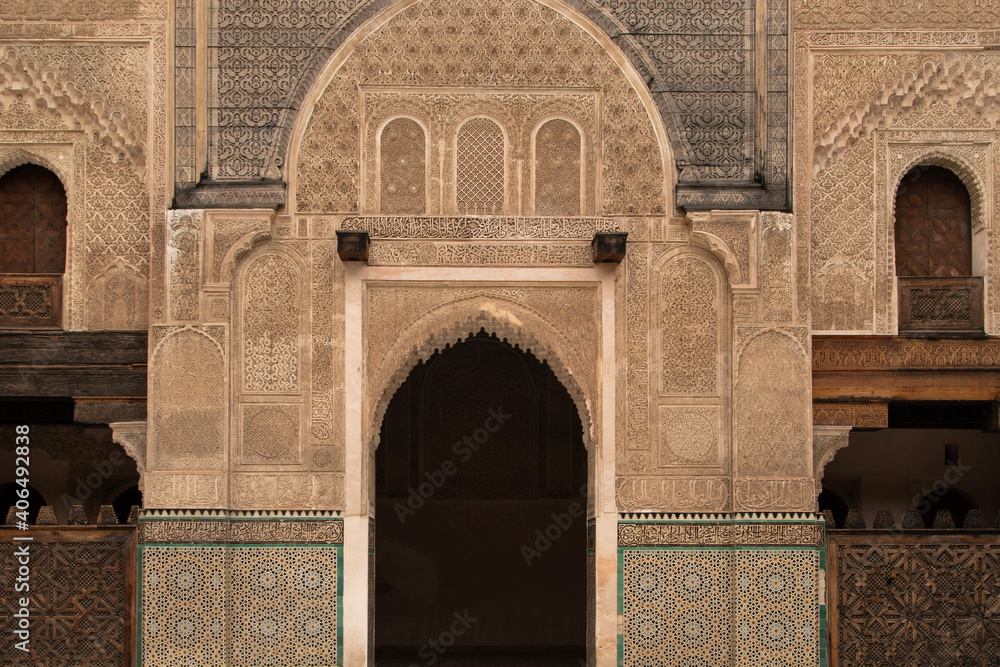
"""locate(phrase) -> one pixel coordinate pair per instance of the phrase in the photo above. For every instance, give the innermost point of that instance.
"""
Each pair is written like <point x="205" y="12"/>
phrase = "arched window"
<point x="32" y="221"/>
<point x="557" y="169"/>
<point x="480" y="177"/>
<point x="403" y="160"/>
<point x="933" y="224"/>
<point x="32" y="247"/>
<point x="937" y="290"/>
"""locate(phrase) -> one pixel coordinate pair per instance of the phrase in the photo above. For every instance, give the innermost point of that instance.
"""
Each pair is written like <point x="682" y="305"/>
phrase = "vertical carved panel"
<point x="187" y="403"/>
<point x="480" y="164"/>
<point x="185" y="275"/>
<point x="270" y="311"/>
<point x="32" y="221"/>
<point x="557" y="169"/>
<point x="326" y="290"/>
<point x="403" y="156"/>
<point x="689" y="314"/>
<point x="772" y="417"/>
<point x="776" y="274"/>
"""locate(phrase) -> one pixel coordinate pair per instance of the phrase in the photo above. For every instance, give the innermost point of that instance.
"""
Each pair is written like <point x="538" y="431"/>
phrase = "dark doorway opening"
<point x="480" y="550"/>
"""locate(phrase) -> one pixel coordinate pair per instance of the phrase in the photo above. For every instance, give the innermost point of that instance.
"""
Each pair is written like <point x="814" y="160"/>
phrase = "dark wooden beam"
<point x="73" y="364"/>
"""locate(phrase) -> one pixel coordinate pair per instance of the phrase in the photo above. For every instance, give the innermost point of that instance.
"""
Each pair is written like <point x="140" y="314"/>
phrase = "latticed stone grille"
<point x="557" y="169"/>
<point x="403" y="163"/>
<point x="480" y="185"/>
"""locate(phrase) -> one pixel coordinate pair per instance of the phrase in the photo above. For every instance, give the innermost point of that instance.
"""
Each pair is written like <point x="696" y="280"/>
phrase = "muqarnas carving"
<point x="187" y="403"/>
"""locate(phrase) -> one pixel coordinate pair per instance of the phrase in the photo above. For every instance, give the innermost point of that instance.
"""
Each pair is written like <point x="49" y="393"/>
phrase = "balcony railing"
<point x="935" y="305"/>
<point x="31" y="301"/>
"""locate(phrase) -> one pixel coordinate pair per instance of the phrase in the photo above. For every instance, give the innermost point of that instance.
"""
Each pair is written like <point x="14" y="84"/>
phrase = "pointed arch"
<point x="463" y="318"/>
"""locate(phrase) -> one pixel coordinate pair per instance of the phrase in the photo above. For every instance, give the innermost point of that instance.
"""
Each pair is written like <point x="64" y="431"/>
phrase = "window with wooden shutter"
<point x="32" y="247"/>
<point x="937" y="291"/>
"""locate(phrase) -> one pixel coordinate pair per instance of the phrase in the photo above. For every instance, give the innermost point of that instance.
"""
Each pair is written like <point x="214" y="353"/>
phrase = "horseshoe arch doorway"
<point x="480" y="545"/>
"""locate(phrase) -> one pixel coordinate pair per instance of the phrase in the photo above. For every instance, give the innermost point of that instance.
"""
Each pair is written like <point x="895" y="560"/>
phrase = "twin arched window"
<point x="481" y="148"/>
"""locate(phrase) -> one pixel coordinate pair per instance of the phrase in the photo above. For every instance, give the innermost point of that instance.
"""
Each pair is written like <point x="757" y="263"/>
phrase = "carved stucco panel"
<point x="886" y="14"/>
<point x="827" y="441"/>
<point x="424" y="48"/>
<point x="862" y="152"/>
<point x="64" y="154"/>
<point x="680" y="399"/>
<point x="225" y="236"/>
<point x="773" y="418"/>
<point x="974" y="156"/>
<point x="732" y="237"/>
<point x="184" y="229"/>
<point x="320" y="491"/>
<point x="778" y="274"/>
<point x="407" y="322"/>
<point x="187" y="399"/>
<point x="116" y="184"/>
<point x="132" y="437"/>
<point x="184" y="490"/>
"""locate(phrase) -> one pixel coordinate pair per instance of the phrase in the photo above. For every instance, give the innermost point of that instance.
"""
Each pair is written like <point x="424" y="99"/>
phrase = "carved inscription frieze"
<point x="729" y="533"/>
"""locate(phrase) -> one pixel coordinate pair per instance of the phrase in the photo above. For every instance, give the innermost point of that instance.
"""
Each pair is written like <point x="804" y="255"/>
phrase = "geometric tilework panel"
<point x="284" y="606"/>
<point x="744" y="607"/>
<point x="917" y="604"/>
<point x="183" y="606"/>
<point x="79" y="603"/>
<point x="777" y="607"/>
<point x="244" y="606"/>
<point x="676" y="607"/>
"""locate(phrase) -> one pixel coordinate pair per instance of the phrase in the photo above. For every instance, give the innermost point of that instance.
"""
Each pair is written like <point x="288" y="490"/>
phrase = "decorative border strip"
<point x="869" y="353"/>
<point x="720" y="516"/>
<point x="744" y="530"/>
<point x="240" y="514"/>
<point x="256" y="527"/>
<point x="484" y="227"/>
<point x="856" y="415"/>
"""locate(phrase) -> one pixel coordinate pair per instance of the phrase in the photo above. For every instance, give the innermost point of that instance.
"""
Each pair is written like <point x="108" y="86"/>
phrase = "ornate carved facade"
<point x="210" y="152"/>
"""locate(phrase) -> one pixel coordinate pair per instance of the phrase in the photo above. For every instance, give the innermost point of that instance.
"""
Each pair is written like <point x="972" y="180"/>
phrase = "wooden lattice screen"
<point x="925" y="598"/>
<point x="83" y="581"/>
